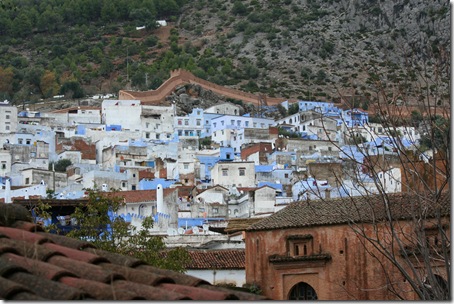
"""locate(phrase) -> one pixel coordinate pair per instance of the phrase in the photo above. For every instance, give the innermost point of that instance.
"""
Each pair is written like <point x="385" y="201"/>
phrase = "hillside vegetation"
<point x="308" y="49"/>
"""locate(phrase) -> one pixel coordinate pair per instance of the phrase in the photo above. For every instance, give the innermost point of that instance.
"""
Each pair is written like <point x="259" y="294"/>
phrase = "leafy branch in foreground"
<point x="98" y="223"/>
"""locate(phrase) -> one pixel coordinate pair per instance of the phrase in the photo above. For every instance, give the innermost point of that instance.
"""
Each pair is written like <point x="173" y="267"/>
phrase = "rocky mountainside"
<point x="319" y="49"/>
<point x="307" y="49"/>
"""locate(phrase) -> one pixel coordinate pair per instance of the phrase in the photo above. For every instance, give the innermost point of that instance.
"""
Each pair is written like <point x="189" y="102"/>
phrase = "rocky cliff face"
<point x="319" y="49"/>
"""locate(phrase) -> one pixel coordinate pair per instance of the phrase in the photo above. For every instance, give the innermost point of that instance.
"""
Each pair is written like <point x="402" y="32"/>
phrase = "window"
<point x="157" y="136"/>
<point x="286" y="175"/>
<point x="147" y="125"/>
<point x="300" y="245"/>
<point x="232" y="122"/>
<point x="186" y="122"/>
<point x="133" y="187"/>
<point x="242" y="171"/>
<point x="198" y="122"/>
<point x="3" y="165"/>
<point x="180" y="122"/>
<point x="227" y="156"/>
<point x="246" y="123"/>
<point x="186" y="166"/>
<point x="225" y="172"/>
<point x="27" y="180"/>
<point x="28" y="141"/>
<point x="134" y="175"/>
<point x="20" y="141"/>
<point x="123" y="184"/>
<point x="7" y="116"/>
<point x="147" y="135"/>
<point x="215" y="210"/>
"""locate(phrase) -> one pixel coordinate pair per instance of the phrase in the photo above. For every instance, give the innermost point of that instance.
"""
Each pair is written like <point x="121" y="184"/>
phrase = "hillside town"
<point x="214" y="179"/>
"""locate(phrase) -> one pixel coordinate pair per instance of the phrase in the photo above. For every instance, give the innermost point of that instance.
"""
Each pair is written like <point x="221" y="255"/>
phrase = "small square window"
<point x="225" y="172"/>
<point x="242" y="171"/>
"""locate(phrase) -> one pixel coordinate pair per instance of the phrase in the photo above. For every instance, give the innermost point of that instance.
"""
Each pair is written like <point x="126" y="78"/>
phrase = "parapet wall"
<point x="179" y="77"/>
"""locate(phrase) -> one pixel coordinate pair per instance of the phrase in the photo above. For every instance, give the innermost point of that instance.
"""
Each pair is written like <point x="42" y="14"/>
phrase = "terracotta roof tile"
<point x="217" y="259"/>
<point x="13" y="291"/>
<point x="98" y="290"/>
<point x="244" y="296"/>
<point x="47" y="289"/>
<point x="35" y="265"/>
<point x="138" y="196"/>
<point x="150" y="292"/>
<point x="137" y="275"/>
<point x="195" y="294"/>
<point x="240" y="224"/>
<point x="85" y="270"/>
<point x="357" y="209"/>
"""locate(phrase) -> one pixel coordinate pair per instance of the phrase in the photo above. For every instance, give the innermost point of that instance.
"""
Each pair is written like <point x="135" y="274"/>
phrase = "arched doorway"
<point x="302" y="291"/>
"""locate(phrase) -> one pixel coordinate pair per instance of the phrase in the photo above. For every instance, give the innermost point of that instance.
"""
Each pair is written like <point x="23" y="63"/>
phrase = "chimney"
<point x="327" y="193"/>
<point x="8" y="191"/>
<point x="160" y="199"/>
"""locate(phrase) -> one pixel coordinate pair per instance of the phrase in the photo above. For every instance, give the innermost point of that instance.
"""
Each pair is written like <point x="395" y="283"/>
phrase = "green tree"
<point x="60" y="165"/>
<point x="21" y="25"/>
<point x="239" y="8"/>
<point x="293" y="108"/>
<point x="72" y="88"/>
<point x="98" y="224"/>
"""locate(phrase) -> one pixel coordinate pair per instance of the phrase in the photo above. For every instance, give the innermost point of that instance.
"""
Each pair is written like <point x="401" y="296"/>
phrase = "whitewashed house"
<point x="229" y="174"/>
<point x="157" y="122"/>
<point x="8" y="117"/>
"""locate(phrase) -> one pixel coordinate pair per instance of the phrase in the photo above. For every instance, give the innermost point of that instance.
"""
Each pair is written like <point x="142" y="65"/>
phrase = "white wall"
<point x="122" y="112"/>
<point x="232" y="171"/>
<point x="220" y="276"/>
<point x="8" y="117"/>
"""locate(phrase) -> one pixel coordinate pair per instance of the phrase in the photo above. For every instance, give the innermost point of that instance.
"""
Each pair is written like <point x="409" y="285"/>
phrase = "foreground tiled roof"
<point x="35" y="265"/>
<point x="217" y="259"/>
<point x="352" y="209"/>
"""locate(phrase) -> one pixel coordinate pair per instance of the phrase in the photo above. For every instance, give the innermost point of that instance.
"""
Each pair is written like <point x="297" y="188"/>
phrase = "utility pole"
<point x="146" y="80"/>
<point x="127" y="64"/>
<point x="53" y="176"/>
